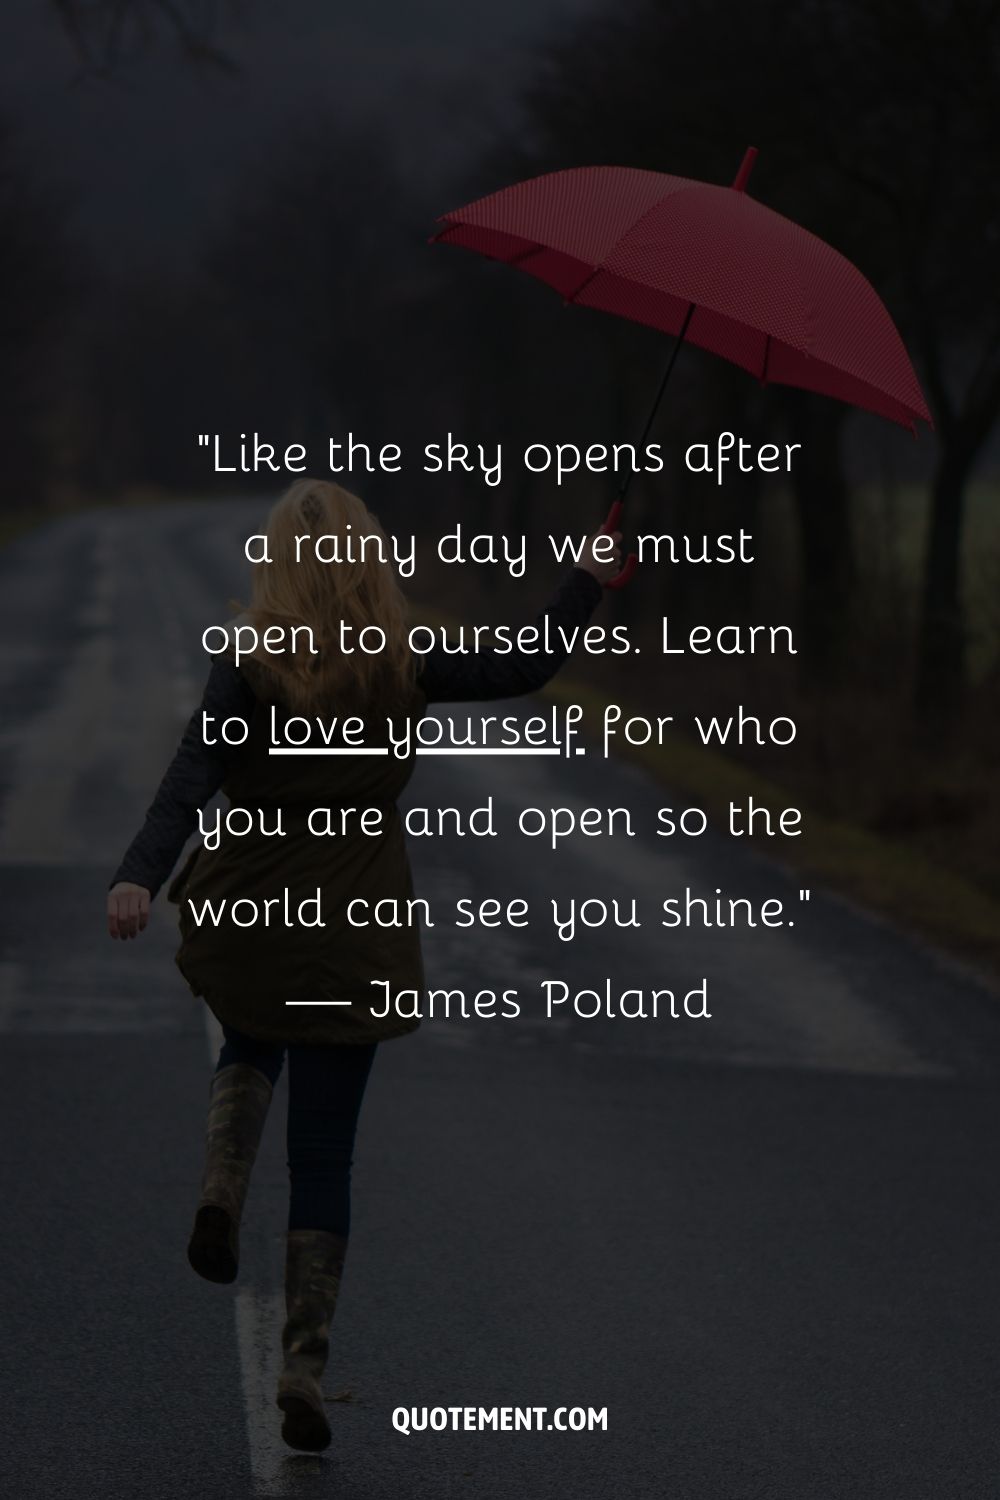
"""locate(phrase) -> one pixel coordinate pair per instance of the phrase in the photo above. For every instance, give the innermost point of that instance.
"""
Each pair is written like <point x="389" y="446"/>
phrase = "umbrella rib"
<point x="750" y="271"/>
<point x="646" y="214"/>
<point x="584" y="283"/>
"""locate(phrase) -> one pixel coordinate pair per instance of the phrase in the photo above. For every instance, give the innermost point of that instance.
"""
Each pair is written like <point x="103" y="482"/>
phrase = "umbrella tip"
<point x="746" y="167"/>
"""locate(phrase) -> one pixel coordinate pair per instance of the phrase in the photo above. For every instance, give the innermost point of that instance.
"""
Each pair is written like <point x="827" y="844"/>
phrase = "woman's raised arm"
<point x="447" y="678"/>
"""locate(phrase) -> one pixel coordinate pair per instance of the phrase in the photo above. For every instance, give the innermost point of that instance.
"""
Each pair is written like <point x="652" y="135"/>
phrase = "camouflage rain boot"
<point x="237" y="1109"/>
<point x="313" y="1265"/>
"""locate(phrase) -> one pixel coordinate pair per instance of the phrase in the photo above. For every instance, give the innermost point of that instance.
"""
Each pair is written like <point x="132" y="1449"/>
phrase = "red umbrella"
<point x="709" y="264"/>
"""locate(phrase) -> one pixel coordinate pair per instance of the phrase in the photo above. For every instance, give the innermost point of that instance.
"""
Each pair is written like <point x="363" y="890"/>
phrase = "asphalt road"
<point x="767" y="1244"/>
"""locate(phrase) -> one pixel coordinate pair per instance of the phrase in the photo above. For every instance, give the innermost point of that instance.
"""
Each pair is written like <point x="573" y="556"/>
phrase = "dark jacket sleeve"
<point x="191" y="781"/>
<point x="490" y="674"/>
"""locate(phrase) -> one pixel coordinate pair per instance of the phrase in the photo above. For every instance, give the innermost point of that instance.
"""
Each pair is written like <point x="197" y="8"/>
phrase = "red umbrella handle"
<point x="631" y="562"/>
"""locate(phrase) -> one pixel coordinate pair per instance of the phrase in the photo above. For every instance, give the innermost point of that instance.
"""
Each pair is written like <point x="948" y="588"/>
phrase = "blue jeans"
<point x="325" y="1088"/>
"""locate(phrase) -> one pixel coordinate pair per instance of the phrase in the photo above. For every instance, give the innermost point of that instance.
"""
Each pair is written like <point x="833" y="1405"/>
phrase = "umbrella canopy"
<point x="709" y="264"/>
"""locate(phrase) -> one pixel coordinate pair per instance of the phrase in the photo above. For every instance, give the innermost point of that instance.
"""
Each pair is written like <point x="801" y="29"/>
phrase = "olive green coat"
<point x="249" y="974"/>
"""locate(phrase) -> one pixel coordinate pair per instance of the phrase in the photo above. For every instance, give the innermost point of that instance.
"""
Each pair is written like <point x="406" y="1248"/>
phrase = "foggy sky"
<point x="150" y="159"/>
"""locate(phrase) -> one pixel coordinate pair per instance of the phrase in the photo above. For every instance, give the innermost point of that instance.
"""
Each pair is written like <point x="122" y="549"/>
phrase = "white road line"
<point x="97" y="614"/>
<point x="274" y="1469"/>
<point x="260" y="1317"/>
<point x="183" y="693"/>
<point x="213" y="1035"/>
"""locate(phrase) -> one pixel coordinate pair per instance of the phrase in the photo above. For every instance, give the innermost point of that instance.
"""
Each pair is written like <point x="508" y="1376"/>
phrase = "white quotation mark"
<point x="803" y="896"/>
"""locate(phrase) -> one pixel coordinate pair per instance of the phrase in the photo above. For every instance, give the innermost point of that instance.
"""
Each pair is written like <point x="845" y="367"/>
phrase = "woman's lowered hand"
<point x="128" y="909"/>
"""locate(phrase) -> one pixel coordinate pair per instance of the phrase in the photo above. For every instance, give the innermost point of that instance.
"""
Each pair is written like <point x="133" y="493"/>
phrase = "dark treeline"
<point x="41" y="290"/>
<point x="319" y="308"/>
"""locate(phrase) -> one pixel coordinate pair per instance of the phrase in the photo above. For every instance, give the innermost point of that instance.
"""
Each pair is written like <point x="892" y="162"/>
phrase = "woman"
<point x="256" y="978"/>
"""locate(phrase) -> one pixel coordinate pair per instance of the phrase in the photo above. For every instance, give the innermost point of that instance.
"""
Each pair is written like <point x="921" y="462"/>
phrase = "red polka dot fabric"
<point x="767" y="295"/>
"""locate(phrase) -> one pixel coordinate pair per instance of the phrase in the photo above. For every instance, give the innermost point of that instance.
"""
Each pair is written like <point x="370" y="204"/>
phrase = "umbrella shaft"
<point x="627" y="476"/>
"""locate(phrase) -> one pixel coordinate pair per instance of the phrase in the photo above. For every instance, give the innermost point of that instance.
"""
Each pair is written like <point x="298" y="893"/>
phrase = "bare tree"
<point x="879" y="131"/>
<point x="40" y="275"/>
<point x="109" y="33"/>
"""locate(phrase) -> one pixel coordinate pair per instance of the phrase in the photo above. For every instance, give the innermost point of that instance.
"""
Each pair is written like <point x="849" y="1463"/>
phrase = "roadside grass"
<point x="18" y="523"/>
<point x="882" y="875"/>
<point x="890" y="525"/>
<point x="886" y="877"/>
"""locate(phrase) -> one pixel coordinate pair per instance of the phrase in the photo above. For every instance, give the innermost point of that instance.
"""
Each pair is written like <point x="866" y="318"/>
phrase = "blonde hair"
<point x="290" y="591"/>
